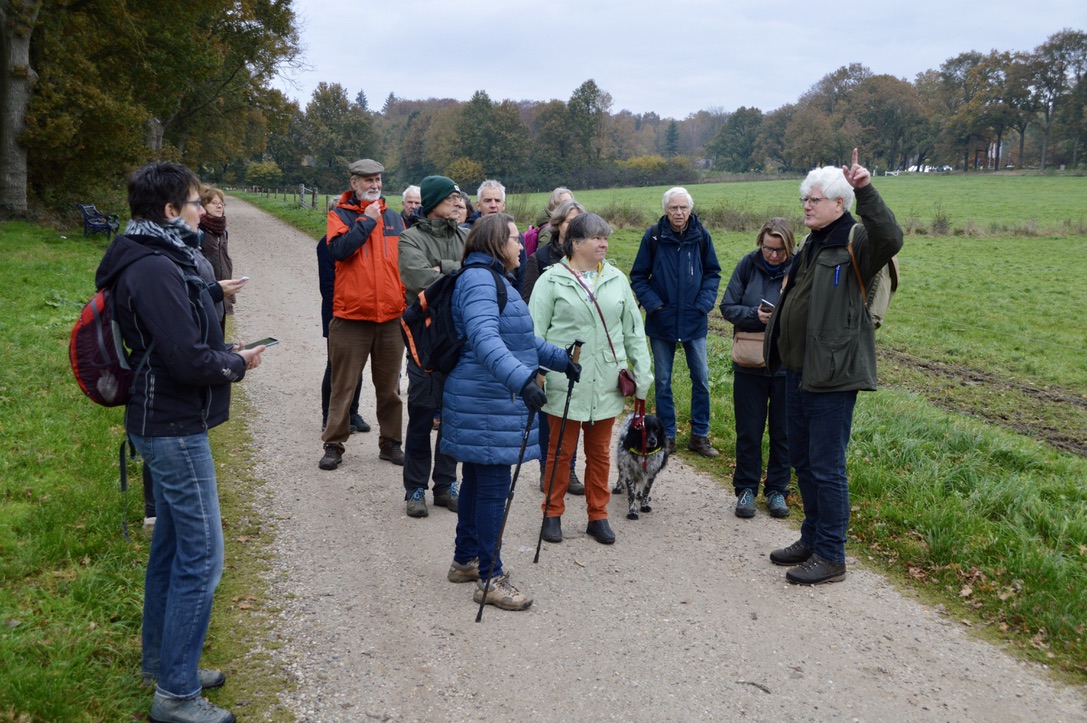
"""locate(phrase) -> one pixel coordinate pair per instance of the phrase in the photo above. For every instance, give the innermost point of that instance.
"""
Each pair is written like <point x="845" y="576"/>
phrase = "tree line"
<point x="94" y="89"/>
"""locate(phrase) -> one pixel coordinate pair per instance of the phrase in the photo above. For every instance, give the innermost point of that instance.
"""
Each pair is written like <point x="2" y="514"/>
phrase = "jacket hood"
<point x="127" y="250"/>
<point x="693" y="230"/>
<point x="440" y="227"/>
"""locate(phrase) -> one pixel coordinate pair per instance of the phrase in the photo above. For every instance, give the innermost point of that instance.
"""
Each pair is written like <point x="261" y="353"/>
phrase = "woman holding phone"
<point x="749" y="299"/>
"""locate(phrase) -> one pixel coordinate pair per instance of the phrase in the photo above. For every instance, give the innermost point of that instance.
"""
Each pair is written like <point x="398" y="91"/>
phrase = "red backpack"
<point x="100" y="362"/>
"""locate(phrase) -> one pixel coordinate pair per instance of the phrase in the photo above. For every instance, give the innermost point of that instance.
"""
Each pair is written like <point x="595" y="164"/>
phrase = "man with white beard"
<point x="367" y="303"/>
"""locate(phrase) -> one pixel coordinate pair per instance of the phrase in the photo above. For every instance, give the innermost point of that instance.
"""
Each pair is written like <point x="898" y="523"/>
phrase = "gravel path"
<point x="684" y="618"/>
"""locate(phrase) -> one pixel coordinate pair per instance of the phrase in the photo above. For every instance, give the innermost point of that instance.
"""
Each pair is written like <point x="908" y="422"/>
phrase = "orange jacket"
<point x="368" y="286"/>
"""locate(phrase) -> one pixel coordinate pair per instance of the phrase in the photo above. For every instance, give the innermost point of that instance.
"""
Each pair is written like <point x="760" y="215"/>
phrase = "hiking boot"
<point x="776" y="502"/>
<point x="670" y="443"/>
<point x="502" y="594"/>
<point x="468" y="572"/>
<point x="702" y="446"/>
<point x="448" y="499"/>
<point x="392" y="453"/>
<point x="600" y="531"/>
<point x="576" y="487"/>
<point x="188" y="710"/>
<point x="745" y="503"/>
<point x="816" y="571"/>
<point x="552" y="529"/>
<point x="333" y="457"/>
<point x="209" y="679"/>
<point x="794" y="554"/>
<point x="358" y="424"/>
<point x="417" y="503"/>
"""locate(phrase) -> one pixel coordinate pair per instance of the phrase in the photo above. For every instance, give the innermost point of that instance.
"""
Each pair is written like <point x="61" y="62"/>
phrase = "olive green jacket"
<point x="839" y="347"/>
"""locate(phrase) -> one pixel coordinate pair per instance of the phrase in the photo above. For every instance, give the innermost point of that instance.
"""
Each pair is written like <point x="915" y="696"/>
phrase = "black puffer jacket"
<point x="185" y="387"/>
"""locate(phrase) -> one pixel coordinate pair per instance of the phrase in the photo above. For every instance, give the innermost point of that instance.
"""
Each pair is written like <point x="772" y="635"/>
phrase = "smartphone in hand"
<point x="265" y="342"/>
<point x="765" y="306"/>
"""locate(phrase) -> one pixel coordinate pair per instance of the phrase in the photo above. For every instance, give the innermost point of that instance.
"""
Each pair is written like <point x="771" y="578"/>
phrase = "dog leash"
<point x="639" y="423"/>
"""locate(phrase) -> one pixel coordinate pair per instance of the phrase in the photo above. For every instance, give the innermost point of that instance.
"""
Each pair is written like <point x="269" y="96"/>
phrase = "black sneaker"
<point x="816" y="571"/>
<point x="358" y="424"/>
<point x="333" y="457"/>
<point x="794" y="554"/>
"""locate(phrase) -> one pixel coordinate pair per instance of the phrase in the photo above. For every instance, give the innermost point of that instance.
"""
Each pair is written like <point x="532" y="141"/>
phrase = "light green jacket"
<point x="562" y="311"/>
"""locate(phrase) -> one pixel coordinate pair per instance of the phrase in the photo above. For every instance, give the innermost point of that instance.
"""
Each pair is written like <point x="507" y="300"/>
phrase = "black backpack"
<point x="427" y="324"/>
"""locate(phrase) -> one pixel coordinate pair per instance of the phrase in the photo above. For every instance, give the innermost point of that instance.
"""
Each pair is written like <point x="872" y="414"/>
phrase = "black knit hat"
<point x="435" y="189"/>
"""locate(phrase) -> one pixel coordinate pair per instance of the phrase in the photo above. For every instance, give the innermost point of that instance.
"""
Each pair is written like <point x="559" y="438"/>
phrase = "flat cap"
<point x="365" y="167"/>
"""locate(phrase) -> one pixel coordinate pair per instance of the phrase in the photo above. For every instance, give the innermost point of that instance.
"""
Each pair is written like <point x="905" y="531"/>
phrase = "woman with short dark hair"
<point x="166" y="313"/>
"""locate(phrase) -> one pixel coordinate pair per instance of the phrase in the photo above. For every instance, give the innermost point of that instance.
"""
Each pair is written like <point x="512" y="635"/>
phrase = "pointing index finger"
<point x="854" y="156"/>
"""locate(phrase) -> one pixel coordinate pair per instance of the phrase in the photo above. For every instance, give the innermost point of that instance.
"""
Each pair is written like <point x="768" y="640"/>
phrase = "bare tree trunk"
<point x="17" y="20"/>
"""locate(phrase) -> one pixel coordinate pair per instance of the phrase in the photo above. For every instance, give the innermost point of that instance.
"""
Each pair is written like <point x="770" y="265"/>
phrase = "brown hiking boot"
<point x="702" y="446"/>
<point x="502" y="594"/>
<point x="392" y="453"/>
<point x="468" y="572"/>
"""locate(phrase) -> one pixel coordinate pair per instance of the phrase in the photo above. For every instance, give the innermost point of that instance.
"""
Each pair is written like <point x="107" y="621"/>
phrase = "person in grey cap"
<point x="367" y="303"/>
<point x="433" y="247"/>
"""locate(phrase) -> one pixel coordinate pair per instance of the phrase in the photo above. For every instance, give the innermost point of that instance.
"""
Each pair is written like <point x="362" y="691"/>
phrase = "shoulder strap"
<point x="592" y="298"/>
<point x="856" y="268"/>
<point x="499" y="286"/>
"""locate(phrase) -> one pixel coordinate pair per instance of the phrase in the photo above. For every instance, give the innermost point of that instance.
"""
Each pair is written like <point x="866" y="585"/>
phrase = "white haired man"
<point x="828" y="350"/>
<point x="675" y="277"/>
<point x="409" y="201"/>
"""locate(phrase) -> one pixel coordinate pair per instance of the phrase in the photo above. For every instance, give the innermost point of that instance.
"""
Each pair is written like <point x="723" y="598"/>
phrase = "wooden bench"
<point x="94" y="221"/>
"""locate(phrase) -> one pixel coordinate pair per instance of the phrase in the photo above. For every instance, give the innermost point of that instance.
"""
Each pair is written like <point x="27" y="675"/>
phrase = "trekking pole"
<point x="505" y="515"/>
<point x="576" y="347"/>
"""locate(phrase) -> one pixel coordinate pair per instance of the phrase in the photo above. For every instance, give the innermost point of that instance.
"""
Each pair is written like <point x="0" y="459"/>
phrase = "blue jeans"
<point x="664" y="353"/>
<point x="483" y="494"/>
<point x="185" y="562"/>
<point x="819" y="426"/>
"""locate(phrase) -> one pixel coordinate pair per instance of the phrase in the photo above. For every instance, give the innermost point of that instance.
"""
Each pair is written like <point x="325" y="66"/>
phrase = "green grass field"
<point x="961" y="488"/>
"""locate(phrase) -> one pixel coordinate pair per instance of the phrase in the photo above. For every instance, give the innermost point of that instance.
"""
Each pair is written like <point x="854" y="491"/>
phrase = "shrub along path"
<point x="684" y="618"/>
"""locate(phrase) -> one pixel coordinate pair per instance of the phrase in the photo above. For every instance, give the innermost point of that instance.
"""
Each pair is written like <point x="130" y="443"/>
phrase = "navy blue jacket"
<point x="676" y="278"/>
<point x="326" y="281"/>
<point x="185" y="387"/>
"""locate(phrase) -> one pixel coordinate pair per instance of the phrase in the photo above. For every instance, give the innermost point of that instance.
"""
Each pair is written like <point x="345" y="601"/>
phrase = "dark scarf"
<point x="214" y="224"/>
<point x="835" y="233"/>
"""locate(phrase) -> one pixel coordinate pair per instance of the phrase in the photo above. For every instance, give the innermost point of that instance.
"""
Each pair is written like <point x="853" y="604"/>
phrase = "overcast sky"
<point x="674" y="58"/>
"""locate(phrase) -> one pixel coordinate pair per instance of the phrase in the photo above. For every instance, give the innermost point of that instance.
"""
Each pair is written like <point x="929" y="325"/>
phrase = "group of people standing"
<point x="817" y="352"/>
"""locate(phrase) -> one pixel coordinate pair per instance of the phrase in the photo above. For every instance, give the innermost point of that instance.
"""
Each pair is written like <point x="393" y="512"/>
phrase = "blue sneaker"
<point x="449" y="498"/>
<point x="745" y="504"/>
<point x="417" y="503"/>
<point x="776" y="502"/>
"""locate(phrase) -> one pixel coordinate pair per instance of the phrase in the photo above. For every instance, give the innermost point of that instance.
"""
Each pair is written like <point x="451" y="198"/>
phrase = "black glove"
<point x="534" y="396"/>
<point x="573" y="370"/>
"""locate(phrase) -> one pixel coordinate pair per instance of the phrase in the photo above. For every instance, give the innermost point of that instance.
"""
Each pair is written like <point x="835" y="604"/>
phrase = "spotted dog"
<point x="638" y="466"/>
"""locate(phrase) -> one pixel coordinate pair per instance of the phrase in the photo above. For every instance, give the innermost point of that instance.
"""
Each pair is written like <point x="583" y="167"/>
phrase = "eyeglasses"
<point x="813" y="200"/>
<point x="198" y="203"/>
<point x="678" y="209"/>
<point x="773" y="251"/>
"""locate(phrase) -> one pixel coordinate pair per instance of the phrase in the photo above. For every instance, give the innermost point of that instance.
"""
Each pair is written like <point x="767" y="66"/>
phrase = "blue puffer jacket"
<point x="483" y="416"/>
<point x="676" y="278"/>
